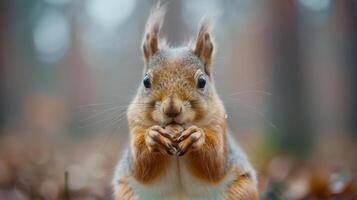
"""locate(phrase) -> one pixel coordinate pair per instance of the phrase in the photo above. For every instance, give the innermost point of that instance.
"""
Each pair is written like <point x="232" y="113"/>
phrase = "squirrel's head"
<point x="177" y="84"/>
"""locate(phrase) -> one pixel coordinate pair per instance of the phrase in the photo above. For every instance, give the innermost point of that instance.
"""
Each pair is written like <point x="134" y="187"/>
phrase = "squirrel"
<point x="180" y="146"/>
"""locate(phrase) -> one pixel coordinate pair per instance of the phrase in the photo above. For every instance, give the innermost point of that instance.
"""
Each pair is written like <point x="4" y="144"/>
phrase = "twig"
<point x="66" y="188"/>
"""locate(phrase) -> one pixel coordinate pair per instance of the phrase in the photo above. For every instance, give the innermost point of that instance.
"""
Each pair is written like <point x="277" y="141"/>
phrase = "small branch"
<point x="66" y="188"/>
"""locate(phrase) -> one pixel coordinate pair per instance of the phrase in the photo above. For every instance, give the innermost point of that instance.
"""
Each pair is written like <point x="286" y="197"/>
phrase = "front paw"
<point x="191" y="138"/>
<point x="159" y="140"/>
<point x="175" y="130"/>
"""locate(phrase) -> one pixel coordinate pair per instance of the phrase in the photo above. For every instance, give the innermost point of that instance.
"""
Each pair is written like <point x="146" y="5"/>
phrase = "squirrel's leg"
<point x="206" y="155"/>
<point x="124" y="192"/>
<point x="149" y="153"/>
<point x="242" y="188"/>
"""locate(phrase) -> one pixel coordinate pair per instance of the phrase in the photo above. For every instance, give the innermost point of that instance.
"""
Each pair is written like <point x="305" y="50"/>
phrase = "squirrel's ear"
<point x="204" y="45"/>
<point x="152" y="30"/>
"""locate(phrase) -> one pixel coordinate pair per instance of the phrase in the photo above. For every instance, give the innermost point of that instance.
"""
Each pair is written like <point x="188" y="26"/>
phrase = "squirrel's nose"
<point x="172" y="107"/>
<point x="172" y="111"/>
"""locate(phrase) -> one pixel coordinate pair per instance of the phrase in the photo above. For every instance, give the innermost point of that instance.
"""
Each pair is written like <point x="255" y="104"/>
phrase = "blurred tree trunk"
<point x="292" y="134"/>
<point x="77" y="80"/>
<point x="349" y="15"/>
<point x="2" y="67"/>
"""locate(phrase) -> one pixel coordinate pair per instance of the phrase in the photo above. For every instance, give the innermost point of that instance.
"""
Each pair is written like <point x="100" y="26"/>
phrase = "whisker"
<point x="118" y="118"/>
<point x="102" y="120"/>
<point x="102" y="112"/>
<point x="118" y="113"/>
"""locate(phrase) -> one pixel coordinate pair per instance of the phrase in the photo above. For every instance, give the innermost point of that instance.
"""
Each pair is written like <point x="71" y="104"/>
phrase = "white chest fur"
<point x="178" y="184"/>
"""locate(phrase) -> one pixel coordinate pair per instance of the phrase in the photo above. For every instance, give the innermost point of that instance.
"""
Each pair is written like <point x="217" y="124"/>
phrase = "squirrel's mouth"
<point x="174" y="121"/>
<point x="178" y="120"/>
<point x="184" y="125"/>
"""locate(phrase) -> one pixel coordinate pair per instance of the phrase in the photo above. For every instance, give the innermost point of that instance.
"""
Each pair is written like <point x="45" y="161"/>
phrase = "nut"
<point x="175" y="129"/>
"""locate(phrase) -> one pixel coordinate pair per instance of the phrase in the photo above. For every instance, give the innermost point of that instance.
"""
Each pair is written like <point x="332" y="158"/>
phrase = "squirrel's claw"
<point x="192" y="138"/>
<point x="156" y="141"/>
<point x="185" y="134"/>
<point x="163" y="132"/>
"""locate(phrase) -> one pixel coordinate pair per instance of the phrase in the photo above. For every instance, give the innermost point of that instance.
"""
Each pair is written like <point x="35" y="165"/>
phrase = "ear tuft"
<point x="152" y="30"/>
<point x="204" y="44"/>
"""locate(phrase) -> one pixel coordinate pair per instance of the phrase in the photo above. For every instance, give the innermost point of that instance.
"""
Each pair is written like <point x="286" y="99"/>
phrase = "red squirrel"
<point x="180" y="147"/>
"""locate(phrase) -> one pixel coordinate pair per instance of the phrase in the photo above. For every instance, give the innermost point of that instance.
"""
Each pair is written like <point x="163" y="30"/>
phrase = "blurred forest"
<point x="285" y="69"/>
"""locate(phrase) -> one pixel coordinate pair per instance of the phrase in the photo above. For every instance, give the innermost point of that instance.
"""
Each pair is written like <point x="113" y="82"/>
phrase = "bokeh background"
<point x="285" y="69"/>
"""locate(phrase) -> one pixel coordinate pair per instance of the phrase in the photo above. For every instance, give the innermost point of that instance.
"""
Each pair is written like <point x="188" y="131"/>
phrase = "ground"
<point x="35" y="166"/>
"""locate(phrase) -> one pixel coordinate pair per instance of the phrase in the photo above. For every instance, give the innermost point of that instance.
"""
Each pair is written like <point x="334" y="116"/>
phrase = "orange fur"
<point x="147" y="165"/>
<point x="207" y="162"/>
<point x="242" y="188"/>
<point x="204" y="45"/>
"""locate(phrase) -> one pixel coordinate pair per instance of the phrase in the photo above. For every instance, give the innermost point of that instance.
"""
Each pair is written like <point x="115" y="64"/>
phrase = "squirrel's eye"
<point x="201" y="81"/>
<point x="146" y="81"/>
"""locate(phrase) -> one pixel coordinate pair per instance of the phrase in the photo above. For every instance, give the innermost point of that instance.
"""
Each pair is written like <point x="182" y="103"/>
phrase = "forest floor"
<point x="64" y="167"/>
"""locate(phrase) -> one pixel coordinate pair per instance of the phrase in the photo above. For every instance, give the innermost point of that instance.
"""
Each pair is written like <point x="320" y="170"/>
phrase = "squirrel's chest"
<point x="178" y="183"/>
